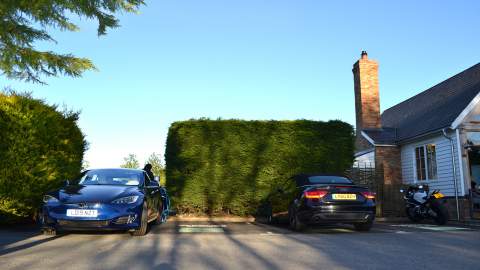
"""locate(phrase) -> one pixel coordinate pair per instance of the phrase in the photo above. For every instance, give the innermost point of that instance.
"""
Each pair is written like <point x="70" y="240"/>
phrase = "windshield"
<point x="328" y="180"/>
<point x="111" y="177"/>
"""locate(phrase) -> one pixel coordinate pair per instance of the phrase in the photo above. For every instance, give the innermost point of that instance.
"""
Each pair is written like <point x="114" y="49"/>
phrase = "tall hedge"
<point x="40" y="146"/>
<point x="229" y="166"/>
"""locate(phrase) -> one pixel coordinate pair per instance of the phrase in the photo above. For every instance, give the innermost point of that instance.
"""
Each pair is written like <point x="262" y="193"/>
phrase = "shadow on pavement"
<point x="26" y="245"/>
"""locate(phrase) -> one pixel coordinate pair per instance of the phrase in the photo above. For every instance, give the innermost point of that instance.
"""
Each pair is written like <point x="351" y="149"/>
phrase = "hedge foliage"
<point x="229" y="166"/>
<point x="40" y="147"/>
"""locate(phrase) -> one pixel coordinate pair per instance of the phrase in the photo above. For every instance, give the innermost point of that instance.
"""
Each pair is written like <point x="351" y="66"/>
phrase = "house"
<point x="432" y="138"/>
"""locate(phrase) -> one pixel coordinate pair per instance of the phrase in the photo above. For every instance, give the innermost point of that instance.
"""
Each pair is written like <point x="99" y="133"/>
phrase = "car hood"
<point x="94" y="193"/>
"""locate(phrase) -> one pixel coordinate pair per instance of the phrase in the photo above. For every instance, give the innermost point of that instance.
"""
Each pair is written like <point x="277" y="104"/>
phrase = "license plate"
<point x="438" y="195"/>
<point x="344" y="196"/>
<point x="81" y="213"/>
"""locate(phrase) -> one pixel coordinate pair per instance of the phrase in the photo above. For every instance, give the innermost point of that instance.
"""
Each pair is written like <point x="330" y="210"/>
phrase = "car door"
<point x="152" y="195"/>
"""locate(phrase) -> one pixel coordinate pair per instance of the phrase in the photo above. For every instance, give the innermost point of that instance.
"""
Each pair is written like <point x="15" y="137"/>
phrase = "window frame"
<point x="429" y="161"/>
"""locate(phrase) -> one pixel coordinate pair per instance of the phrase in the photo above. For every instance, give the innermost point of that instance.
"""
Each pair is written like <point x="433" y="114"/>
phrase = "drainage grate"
<point x="201" y="229"/>
<point x="430" y="227"/>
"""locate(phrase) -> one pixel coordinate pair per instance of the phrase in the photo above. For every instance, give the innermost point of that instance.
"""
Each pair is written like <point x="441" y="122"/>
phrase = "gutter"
<point x="455" y="180"/>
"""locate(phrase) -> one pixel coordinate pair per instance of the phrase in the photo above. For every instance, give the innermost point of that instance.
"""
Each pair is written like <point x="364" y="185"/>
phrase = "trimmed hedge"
<point x="229" y="166"/>
<point x="40" y="147"/>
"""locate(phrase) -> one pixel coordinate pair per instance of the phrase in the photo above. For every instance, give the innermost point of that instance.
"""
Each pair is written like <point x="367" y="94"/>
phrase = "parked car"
<point x="106" y="199"/>
<point x="307" y="199"/>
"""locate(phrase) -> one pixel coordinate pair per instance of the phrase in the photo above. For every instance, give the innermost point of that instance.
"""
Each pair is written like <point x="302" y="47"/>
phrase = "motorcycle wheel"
<point x="410" y="211"/>
<point x="442" y="214"/>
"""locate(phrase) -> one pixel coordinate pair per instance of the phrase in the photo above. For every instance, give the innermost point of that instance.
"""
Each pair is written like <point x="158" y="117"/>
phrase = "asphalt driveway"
<point x="216" y="245"/>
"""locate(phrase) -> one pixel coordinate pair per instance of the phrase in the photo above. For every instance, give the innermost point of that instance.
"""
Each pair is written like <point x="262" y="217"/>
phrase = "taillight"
<point x="368" y="194"/>
<point x="315" y="194"/>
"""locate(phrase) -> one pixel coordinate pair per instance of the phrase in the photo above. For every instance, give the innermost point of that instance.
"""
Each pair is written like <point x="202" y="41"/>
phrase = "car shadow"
<point x="337" y="228"/>
<point x="28" y="244"/>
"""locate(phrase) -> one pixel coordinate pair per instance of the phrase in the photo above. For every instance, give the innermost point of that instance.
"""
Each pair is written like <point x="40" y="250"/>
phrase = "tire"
<point x="295" y="223"/>
<point x="143" y="223"/>
<point x="158" y="220"/>
<point x="412" y="216"/>
<point x="442" y="214"/>
<point x="268" y="214"/>
<point x="363" y="227"/>
<point x="44" y="228"/>
<point x="49" y="232"/>
<point x="270" y="220"/>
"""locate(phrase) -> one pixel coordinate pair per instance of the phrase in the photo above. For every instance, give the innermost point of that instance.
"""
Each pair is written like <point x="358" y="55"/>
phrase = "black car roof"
<point x="302" y="179"/>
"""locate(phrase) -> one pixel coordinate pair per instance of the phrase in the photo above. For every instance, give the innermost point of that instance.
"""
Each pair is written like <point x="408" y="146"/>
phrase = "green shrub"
<point x="229" y="166"/>
<point x="39" y="148"/>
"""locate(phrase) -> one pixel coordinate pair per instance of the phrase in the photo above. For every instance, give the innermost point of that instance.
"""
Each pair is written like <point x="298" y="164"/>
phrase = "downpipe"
<point x="455" y="180"/>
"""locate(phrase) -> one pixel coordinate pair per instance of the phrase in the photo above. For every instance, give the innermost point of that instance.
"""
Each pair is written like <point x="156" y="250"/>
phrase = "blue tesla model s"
<point x="106" y="199"/>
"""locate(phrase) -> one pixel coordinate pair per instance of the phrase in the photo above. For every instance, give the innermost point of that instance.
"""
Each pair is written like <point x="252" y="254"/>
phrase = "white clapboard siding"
<point x="445" y="180"/>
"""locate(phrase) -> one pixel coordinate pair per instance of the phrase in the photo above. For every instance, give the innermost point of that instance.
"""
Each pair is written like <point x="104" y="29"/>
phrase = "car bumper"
<point x="110" y="217"/>
<point x="322" y="215"/>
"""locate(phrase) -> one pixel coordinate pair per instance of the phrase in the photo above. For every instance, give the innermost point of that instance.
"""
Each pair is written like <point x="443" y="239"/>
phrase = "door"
<point x="474" y="164"/>
<point x="152" y="193"/>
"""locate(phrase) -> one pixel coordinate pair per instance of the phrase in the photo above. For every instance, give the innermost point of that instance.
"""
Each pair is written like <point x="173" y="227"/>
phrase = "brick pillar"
<point x="367" y="101"/>
<point x="389" y="181"/>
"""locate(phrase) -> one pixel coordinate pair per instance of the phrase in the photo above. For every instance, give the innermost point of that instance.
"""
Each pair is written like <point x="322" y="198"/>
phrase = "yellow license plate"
<point x="344" y="196"/>
<point x="438" y="195"/>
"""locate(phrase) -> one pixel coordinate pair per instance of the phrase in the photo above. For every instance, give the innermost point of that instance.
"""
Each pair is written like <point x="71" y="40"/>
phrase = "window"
<point x="111" y="177"/>
<point x="426" y="162"/>
<point x="321" y="179"/>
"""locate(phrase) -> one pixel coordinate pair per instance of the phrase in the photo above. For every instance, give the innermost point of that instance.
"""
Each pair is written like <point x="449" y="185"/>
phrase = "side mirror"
<point x="66" y="183"/>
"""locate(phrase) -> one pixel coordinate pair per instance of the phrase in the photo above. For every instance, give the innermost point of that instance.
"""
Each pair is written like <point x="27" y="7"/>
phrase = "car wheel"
<point x="143" y="222"/>
<point x="363" y="227"/>
<point x="294" y="222"/>
<point x="49" y="232"/>
<point x="269" y="219"/>
<point x="268" y="213"/>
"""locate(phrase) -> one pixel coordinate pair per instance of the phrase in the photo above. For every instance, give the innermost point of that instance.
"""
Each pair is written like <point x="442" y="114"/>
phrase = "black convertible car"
<point x="320" y="199"/>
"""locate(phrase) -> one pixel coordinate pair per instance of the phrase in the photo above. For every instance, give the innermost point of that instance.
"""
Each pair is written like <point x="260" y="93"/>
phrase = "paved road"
<point x="246" y="246"/>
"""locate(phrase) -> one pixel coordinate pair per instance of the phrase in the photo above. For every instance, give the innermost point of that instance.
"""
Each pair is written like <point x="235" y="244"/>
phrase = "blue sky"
<point x="251" y="59"/>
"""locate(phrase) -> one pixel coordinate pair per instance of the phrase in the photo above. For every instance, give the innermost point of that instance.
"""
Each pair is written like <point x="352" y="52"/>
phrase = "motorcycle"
<point x="420" y="204"/>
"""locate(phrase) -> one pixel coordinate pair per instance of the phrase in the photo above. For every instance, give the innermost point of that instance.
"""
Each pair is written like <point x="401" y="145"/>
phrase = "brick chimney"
<point x="367" y="101"/>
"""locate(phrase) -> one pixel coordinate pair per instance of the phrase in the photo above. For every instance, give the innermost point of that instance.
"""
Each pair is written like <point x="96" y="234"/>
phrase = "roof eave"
<point x="466" y="111"/>
<point x="372" y="142"/>
<point x="422" y="135"/>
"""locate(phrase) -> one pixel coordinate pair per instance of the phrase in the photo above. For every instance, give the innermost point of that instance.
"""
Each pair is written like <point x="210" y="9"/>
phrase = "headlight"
<point x="126" y="200"/>
<point x="49" y="198"/>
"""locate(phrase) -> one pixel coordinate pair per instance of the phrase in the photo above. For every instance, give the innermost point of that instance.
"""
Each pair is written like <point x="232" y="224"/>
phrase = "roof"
<point x="384" y="136"/>
<point x="432" y="110"/>
<point x="302" y="179"/>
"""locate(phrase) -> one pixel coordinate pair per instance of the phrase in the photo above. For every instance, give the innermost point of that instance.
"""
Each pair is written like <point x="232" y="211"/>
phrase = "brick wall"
<point x="463" y="205"/>
<point x="387" y="163"/>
